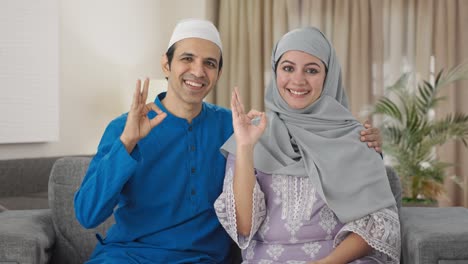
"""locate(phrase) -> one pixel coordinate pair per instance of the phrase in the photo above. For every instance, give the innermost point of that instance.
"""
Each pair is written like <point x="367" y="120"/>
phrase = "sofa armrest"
<point x="74" y="244"/>
<point x="432" y="235"/>
<point x="26" y="236"/>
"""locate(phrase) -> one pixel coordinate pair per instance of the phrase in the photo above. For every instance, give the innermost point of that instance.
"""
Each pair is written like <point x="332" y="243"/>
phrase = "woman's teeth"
<point x="297" y="93"/>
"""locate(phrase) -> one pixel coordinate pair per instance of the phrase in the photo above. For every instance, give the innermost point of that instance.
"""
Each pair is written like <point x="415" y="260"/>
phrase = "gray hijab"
<point x="321" y="141"/>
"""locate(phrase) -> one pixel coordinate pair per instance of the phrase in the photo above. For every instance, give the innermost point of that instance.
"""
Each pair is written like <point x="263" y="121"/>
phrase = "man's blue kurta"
<point x="161" y="194"/>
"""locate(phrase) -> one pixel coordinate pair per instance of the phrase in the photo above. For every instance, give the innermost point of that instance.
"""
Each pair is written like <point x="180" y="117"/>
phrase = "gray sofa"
<point x="429" y="235"/>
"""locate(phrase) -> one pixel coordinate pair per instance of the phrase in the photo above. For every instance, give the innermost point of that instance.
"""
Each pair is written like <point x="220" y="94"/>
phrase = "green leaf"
<point x="410" y="135"/>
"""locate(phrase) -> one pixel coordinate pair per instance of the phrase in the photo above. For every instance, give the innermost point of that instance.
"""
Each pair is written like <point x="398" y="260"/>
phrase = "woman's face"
<point x="300" y="77"/>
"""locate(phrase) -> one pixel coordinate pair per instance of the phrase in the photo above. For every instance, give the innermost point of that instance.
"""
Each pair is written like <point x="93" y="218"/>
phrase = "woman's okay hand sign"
<point x="246" y="132"/>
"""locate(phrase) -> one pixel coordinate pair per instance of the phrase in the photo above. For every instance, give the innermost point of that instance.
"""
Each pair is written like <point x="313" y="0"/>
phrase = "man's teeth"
<point x="298" y="93"/>
<point x="194" y="84"/>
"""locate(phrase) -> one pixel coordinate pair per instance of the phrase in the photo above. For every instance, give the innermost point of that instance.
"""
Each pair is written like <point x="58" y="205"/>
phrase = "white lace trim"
<point x="264" y="227"/>
<point x="225" y="208"/>
<point x="250" y="252"/>
<point x="258" y="215"/>
<point x="381" y="230"/>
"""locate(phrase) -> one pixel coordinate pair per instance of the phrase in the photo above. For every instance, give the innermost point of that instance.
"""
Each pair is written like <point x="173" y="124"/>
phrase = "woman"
<point x="300" y="187"/>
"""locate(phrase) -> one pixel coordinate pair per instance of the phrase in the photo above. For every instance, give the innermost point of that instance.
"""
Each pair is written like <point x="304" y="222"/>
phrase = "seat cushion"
<point x="26" y="236"/>
<point x="429" y="235"/>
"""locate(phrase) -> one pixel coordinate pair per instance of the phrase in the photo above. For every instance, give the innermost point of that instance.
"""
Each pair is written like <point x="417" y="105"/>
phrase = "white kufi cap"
<point x="195" y="28"/>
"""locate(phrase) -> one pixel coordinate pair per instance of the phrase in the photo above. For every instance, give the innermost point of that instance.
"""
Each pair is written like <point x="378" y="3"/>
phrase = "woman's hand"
<point x="246" y="132"/>
<point x="321" y="261"/>
<point x="351" y="248"/>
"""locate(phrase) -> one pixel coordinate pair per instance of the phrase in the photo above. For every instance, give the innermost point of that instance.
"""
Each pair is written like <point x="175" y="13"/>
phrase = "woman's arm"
<point x="385" y="244"/>
<point x="225" y="207"/>
<point x="246" y="135"/>
<point x="352" y="248"/>
<point x="244" y="183"/>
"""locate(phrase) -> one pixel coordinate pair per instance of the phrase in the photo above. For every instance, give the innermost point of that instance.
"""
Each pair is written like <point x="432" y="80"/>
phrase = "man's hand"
<point x="138" y="124"/>
<point x="372" y="136"/>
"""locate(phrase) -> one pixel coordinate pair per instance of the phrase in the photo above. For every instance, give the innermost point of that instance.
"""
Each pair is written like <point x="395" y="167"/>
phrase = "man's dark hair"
<point x="170" y="56"/>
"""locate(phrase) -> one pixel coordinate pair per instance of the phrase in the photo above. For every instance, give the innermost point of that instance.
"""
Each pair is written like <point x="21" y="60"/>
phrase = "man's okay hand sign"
<point x="138" y="124"/>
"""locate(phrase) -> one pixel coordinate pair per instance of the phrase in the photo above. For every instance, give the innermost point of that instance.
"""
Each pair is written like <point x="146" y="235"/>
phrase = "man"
<point x="158" y="169"/>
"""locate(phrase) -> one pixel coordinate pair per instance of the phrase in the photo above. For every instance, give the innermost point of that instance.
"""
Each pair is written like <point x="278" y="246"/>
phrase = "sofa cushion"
<point x="24" y="202"/>
<point x="434" y="235"/>
<point x="26" y="236"/>
<point x="74" y="244"/>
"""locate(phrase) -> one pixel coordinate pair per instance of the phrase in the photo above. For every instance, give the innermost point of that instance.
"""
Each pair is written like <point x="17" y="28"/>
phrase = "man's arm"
<point x="108" y="172"/>
<point x="116" y="160"/>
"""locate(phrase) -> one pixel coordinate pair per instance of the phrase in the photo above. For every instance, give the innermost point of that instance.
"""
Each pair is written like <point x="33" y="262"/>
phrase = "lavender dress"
<point x="292" y="224"/>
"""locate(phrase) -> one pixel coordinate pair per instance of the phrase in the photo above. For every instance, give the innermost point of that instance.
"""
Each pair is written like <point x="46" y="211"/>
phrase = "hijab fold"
<point x="349" y="176"/>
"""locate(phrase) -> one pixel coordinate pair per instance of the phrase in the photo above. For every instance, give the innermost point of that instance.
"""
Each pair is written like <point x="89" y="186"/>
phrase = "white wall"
<point x="29" y="71"/>
<point x="105" y="46"/>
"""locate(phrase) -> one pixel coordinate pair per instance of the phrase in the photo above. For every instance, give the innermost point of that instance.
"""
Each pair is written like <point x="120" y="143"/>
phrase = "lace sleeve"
<point x="225" y="207"/>
<point x="381" y="230"/>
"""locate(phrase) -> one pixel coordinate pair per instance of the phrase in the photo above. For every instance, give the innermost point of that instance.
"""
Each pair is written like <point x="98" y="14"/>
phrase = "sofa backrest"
<point x="395" y="185"/>
<point x="73" y="243"/>
<point x="25" y="176"/>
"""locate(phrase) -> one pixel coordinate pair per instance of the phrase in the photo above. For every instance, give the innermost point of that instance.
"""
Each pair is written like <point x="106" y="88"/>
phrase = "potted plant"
<point x="411" y="132"/>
